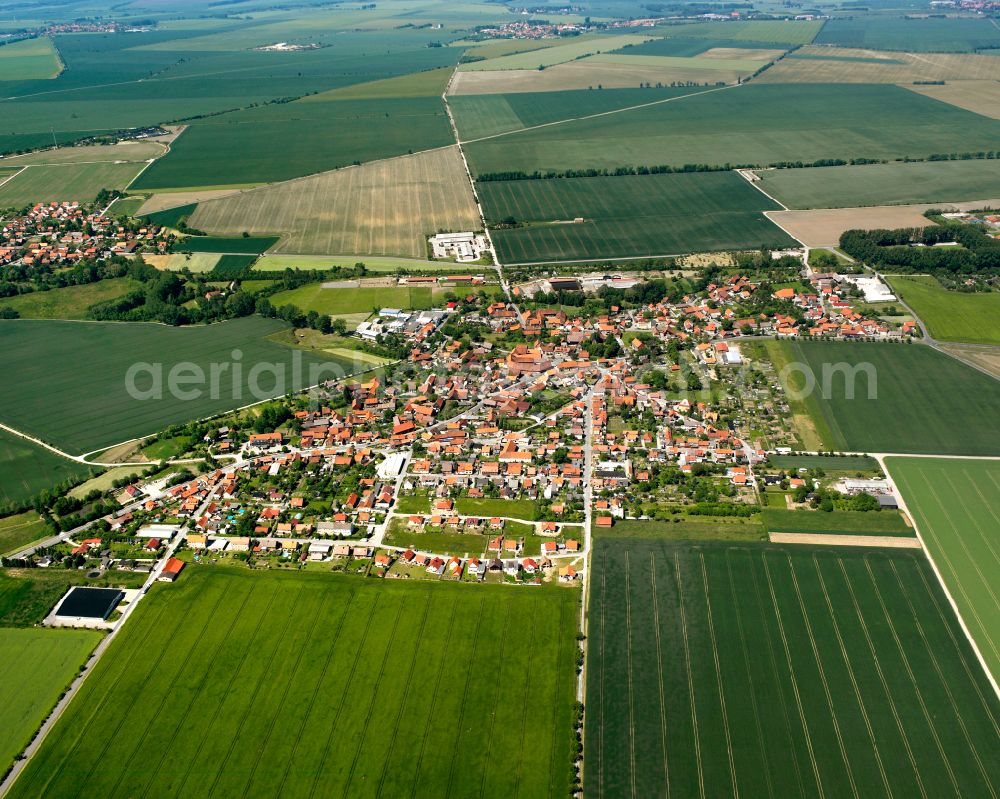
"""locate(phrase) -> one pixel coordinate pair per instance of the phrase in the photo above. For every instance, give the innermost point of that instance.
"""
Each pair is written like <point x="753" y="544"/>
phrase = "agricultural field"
<point x="388" y="687"/>
<point x="385" y="208"/>
<point x="686" y="528"/>
<point x="951" y="315"/>
<point x="29" y="59"/>
<point x="924" y="402"/>
<point x="847" y="65"/>
<point x="767" y="31"/>
<point x="51" y="402"/>
<point x="550" y="56"/>
<point x="89" y="153"/>
<point x="70" y="302"/>
<point x="882" y="184"/>
<point x="863" y="683"/>
<point x="928" y="35"/>
<point x="27" y="469"/>
<point x="979" y="96"/>
<point x="39" y="665"/>
<point x="245" y="245"/>
<point x="278" y="263"/>
<point x="841" y="463"/>
<point x="754" y="124"/>
<point x="349" y="301"/>
<point x="197" y="262"/>
<point x="74" y="182"/>
<point x="20" y="530"/>
<point x="837" y="522"/>
<point x="953" y="503"/>
<point x="688" y="48"/>
<point x="627" y="216"/>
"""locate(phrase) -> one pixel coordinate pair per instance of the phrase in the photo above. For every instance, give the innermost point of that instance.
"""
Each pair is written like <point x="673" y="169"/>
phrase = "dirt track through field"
<point x="890" y="541"/>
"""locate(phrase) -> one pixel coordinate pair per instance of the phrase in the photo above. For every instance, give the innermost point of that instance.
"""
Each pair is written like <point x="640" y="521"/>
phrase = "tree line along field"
<point x="895" y="183"/>
<point x="38" y="665"/>
<point x="953" y="503"/>
<point x="863" y="683"/>
<point x="925" y="401"/>
<point x="632" y="215"/>
<point x="932" y="34"/>
<point x="383" y="208"/>
<point x="52" y="401"/>
<point x="755" y="124"/>
<point x="950" y="315"/>
<point x="27" y="469"/>
<point x="384" y="688"/>
<point x="57" y="182"/>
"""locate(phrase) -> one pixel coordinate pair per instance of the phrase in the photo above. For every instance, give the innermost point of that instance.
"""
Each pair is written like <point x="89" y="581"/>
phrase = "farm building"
<point x="84" y="604"/>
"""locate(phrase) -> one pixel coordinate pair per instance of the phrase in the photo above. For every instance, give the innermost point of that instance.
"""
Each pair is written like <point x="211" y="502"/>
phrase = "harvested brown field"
<point x="381" y="208"/>
<point x="826" y="539"/>
<point x="174" y="199"/>
<point x="813" y="64"/>
<point x="978" y="96"/>
<point x="822" y="227"/>
<point x="584" y="74"/>
<point x="980" y="355"/>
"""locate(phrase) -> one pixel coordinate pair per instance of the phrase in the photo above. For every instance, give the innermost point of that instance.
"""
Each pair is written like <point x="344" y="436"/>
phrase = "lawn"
<point x="687" y="528"/>
<point x="924" y="401"/>
<point x="845" y="463"/>
<point x="17" y="531"/>
<point x="27" y="469"/>
<point x="385" y="208"/>
<point x="504" y="508"/>
<point x="460" y="544"/>
<point x="39" y="665"/>
<point x="29" y="59"/>
<point x="934" y="34"/>
<point x="70" y="302"/>
<point x="50" y="400"/>
<point x="346" y="301"/>
<point x="394" y="688"/>
<point x="756" y="670"/>
<point x="883" y="184"/>
<point x="951" y="315"/>
<point x="73" y="182"/>
<point x="837" y="522"/>
<point x="634" y="215"/>
<point x="754" y="124"/>
<point x="954" y="505"/>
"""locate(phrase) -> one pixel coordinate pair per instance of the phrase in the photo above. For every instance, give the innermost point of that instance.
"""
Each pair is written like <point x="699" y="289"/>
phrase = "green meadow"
<point x="965" y="317"/>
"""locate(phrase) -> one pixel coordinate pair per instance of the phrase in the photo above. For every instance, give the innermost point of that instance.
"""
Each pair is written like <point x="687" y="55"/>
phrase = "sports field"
<point x="848" y="65"/>
<point x="632" y="215"/>
<point x="51" y="400"/>
<point x="385" y="208"/>
<point x="385" y="688"/>
<point x="924" y="401"/>
<point x="932" y="34"/>
<point x="70" y="302"/>
<point x="39" y="665"/>
<point x="73" y="182"/>
<point x="29" y="59"/>
<point x="883" y="184"/>
<point x="755" y="124"/>
<point x="954" y="505"/>
<point x="862" y="682"/>
<point x="951" y="315"/>
<point x="27" y="469"/>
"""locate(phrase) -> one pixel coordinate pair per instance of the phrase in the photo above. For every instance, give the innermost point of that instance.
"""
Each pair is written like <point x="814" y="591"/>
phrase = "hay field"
<point x="813" y="64"/>
<point x="383" y="208"/>
<point x="978" y="96"/>
<point x="72" y="182"/>
<point x="951" y="315"/>
<point x="163" y="201"/>
<point x="822" y="227"/>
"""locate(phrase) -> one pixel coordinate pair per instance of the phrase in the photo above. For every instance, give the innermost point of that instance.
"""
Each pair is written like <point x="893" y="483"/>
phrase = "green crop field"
<point x="951" y="315"/>
<point x="38" y="666"/>
<point x="837" y="522"/>
<point x="70" y="302"/>
<point x="677" y="46"/>
<point x="385" y="208"/>
<point x="346" y="301"/>
<point x="27" y="469"/>
<point x="883" y="184"/>
<point x="925" y="401"/>
<point x="846" y="463"/>
<point x="954" y="506"/>
<point x="479" y="115"/>
<point x="250" y="245"/>
<point x="935" y="34"/>
<point x="559" y="54"/>
<point x="19" y="530"/>
<point x="862" y="681"/>
<point x="752" y="124"/>
<point x="774" y="32"/>
<point x="632" y="215"/>
<point x="50" y="399"/>
<point x="58" y="182"/>
<point x="393" y="688"/>
<point x="29" y="59"/>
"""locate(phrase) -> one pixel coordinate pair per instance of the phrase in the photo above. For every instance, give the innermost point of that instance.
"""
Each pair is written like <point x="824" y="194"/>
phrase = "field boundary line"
<point x="524" y="708"/>
<point x="913" y="679"/>
<point x="758" y="187"/>
<point x="944" y="682"/>
<point x="852" y="676"/>
<point x="465" y="693"/>
<point x="600" y="748"/>
<point x="631" y="697"/>
<point x="9" y="178"/>
<point x="659" y="673"/>
<point x="690" y="678"/>
<point x="882" y="679"/>
<point x="940" y="578"/>
<point x="791" y="676"/>
<point x="496" y="697"/>
<point x="718" y="676"/>
<point x="374" y="697"/>
<point x="560" y="678"/>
